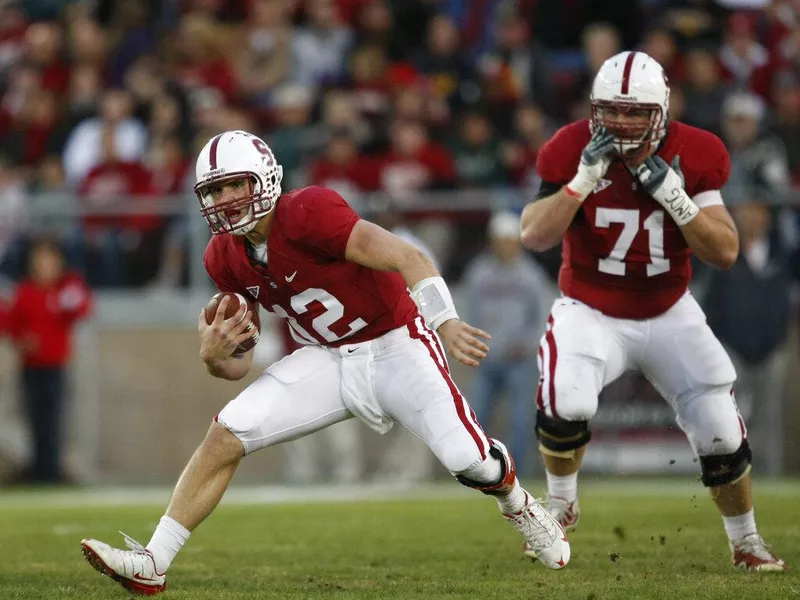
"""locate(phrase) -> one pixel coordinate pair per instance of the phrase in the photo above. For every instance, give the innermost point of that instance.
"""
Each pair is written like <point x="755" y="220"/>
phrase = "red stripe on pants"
<point x="458" y="399"/>
<point x="551" y="345"/>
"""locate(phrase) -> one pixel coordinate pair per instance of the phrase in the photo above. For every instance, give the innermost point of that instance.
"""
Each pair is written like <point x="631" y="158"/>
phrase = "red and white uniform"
<point x="368" y="352"/>
<point x="306" y="279"/>
<point x="624" y="276"/>
<point x="622" y="254"/>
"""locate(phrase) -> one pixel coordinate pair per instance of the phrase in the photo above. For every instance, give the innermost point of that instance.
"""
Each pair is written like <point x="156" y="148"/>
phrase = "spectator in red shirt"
<point x="45" y="308"/>
<point x="371" y="82"/>
<point x="202" y="60"/>
<point x="746" y="62"/>
<point x="114" y="185"/>
<point x="343" y="168"/>
<point x="43" y="46"/>
<point x="29" y="137"/>
<point x="414" y="163"/>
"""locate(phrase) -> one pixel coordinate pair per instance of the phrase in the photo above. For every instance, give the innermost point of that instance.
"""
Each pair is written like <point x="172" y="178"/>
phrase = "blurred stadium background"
<point x="426" y="115"/>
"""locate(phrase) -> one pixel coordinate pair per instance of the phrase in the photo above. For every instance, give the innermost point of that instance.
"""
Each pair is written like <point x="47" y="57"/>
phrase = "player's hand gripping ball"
<point x="234" y="301"/>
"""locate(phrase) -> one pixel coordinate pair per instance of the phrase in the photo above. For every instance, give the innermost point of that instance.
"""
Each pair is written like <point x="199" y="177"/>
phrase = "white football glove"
<point x="595" y="159"/>
<point x="665" y="185"/>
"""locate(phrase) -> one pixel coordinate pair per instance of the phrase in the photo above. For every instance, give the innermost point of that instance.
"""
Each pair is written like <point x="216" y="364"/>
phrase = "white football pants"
<point x="401" y="376"/>
<point x="584" y="350"/>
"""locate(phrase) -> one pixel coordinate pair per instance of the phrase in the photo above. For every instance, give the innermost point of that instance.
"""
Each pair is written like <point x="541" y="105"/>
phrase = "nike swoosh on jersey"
<point x="289" y="278"/>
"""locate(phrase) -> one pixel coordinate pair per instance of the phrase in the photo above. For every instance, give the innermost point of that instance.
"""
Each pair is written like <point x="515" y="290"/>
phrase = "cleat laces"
<point x="535" y="526"/>
<point x="133" y="544"/>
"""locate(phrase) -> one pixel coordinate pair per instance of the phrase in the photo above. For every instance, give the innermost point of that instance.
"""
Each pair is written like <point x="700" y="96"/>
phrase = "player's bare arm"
<point x="545" y="221"/>
<point x="219" y="340"/>
<point x="713" y="237"/>
<point x="710" y="232"/>
<point x="372" y="246"/>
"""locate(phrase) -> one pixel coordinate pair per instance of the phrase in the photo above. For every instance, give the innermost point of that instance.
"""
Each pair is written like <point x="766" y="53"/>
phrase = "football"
<point x="233" y="305"/>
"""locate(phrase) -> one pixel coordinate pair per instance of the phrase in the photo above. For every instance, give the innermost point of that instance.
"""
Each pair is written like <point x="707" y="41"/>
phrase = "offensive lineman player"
<point x="342" y="283"/>
<point x="633" y="194"/>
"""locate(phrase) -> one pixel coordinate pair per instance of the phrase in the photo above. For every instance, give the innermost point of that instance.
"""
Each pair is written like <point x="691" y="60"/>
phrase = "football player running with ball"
<point x="633" y="195"/>
<point x="370" y="350"/>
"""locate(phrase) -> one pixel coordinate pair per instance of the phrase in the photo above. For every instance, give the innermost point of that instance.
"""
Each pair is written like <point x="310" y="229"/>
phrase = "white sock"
<point x="168" y="538"/>
<point x="741" y="525"/>
<point x="514" y="500"/>
<point x="563" y="486"/>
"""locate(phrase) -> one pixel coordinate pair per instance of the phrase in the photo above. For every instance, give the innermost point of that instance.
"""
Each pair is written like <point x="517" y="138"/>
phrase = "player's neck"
<point x="260" y="232"/>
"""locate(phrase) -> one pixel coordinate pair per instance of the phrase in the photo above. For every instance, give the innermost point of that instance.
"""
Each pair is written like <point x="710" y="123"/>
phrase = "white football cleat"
<point x="751" y="553"/>
<point x="133" y="569"/>
<point x="545" y="539"/>
<point x="565" y="512"/>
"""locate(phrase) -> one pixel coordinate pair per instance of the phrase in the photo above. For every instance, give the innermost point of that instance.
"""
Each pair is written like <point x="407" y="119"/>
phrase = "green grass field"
<point x="637" y="540"/>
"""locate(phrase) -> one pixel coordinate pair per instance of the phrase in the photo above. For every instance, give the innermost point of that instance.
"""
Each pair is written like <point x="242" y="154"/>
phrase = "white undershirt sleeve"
<point x="708" y="198"/>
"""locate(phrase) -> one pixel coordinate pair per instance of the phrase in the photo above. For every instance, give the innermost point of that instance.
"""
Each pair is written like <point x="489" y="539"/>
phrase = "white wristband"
<point x="681" y="207"/>
<point x="434" y="301"/>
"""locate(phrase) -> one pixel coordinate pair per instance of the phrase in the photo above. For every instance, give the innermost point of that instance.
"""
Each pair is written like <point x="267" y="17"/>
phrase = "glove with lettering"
<point x="665" y="184"/>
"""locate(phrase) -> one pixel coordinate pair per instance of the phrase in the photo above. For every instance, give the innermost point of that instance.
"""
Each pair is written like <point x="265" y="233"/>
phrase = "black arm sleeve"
<point x="547" y="189"/>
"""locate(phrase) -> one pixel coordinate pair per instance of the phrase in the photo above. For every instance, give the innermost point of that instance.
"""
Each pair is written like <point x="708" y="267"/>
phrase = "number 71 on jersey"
<point x="614" y="264"/>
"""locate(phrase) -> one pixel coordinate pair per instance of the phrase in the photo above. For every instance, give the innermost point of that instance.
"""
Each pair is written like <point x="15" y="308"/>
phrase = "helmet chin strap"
<point x="246" y="229"/>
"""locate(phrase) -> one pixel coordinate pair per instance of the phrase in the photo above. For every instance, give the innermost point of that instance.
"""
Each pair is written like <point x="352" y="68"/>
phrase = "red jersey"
<point x="359" y="174"/>
<point x="44" y="317"/>
<point x="429" y="167"/>
<point x="622" y="255"/>
<point x="328" y="300"/>
<point x="110" y="181"/>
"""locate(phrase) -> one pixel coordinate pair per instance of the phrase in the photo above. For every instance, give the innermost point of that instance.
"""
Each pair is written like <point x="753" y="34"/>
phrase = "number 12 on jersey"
<point x="614" y="264"/>
<point x="333" y="311"/>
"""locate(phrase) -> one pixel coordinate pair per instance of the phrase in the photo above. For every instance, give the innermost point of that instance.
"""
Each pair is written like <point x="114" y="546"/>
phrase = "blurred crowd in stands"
<point x="396" y="104"/>
<point x="104" y="104"/>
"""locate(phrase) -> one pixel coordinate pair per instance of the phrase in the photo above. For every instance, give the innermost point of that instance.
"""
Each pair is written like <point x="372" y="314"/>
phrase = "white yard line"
<point x="277" y="494"/>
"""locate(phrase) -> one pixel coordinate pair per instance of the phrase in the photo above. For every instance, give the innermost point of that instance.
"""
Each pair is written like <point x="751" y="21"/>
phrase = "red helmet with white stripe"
<point x="628" y="85"/>
<point x="242" y="157"/>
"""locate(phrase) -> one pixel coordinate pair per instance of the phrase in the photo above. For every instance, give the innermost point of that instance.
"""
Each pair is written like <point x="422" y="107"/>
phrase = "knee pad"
<point x="508" y="473"/>
<point x="561" y="438"/>
<point x="723" y="469"/>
